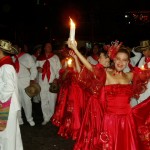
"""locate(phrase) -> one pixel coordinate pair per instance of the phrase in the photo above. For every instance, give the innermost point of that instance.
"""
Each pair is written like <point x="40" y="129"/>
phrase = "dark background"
<point x="34" y="21"/>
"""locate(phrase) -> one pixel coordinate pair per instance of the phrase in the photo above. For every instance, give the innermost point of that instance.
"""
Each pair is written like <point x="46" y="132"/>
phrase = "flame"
<point x="142" y="67"/>
<point x="72" y="23"/>
<point x="69" y="61"/>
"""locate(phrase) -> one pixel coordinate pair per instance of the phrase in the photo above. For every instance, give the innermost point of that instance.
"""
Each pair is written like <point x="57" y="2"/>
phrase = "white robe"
<point x="10" y="138"/>
<point x="26" y="73"/>
<point x="48" y="99"/>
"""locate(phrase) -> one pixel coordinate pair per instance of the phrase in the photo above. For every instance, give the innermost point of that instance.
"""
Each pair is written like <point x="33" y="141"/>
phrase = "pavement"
<point x="41" y="137"/>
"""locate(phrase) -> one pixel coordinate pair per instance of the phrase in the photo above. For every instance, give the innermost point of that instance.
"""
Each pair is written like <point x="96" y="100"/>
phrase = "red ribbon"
<point x="46" y="66"/>
<point x="46" y="70"/>
<point x="17" y="65"/>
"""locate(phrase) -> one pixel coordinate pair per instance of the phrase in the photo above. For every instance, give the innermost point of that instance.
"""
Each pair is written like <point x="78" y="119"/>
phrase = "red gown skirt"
<point x="73" y="112"/>
<point x="112" y="124"/>
<point x="70" y="107"/>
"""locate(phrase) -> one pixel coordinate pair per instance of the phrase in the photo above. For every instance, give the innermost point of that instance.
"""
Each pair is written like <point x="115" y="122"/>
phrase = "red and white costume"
<point x="50" y="70"/>
<point x="10" y="138"/>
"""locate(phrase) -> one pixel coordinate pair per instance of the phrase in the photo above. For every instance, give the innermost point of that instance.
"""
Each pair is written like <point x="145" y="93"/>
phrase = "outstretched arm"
<point x="136" y="58"/>
<point x="73" y="46"/>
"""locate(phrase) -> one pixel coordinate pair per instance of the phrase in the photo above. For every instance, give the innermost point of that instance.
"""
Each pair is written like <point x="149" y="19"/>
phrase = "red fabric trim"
<point x="17" y="65"/>
<point x="46" y="66"/>
<point x="6" y="60"/>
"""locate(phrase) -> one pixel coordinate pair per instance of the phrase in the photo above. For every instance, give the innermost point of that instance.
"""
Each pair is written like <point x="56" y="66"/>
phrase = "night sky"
<point x="33" y="21"/>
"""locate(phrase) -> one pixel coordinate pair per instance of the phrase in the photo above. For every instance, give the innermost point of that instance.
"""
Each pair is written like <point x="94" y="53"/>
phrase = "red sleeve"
<point x="92" y="81"/>
<point x="140" y="80"/>
<point x="66" y="75"/>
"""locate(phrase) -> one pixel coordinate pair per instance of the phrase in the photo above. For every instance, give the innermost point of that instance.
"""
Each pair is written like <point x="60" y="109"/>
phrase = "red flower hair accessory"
<point x="113" y="48"/>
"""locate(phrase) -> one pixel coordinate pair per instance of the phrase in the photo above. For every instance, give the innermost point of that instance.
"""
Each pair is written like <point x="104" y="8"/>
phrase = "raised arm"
<point x="77" y="63"/>
<point x="136" y="58"/>
<point x="73" y="46"/>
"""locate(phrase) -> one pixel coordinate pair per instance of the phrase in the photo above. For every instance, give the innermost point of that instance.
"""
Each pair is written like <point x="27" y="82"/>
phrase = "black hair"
<point x="44" y="44"/>
<point x="104" y="52"/>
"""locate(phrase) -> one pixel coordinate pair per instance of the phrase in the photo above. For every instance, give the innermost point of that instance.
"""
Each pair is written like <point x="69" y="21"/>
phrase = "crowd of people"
<point x="103" y="99"/>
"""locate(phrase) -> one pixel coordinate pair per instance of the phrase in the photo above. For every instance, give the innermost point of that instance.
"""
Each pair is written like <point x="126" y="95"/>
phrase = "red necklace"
<point x="117" y="72"/>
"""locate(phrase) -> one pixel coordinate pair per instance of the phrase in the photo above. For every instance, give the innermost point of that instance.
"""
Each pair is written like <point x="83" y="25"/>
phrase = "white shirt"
<point x="27" y="67"/>
<point x="8" y="85"/>
<point x="10" y="138"/>
<point x="91" y="60"/>
<point x="133" y="60"/>
<point x="55" y="66"/>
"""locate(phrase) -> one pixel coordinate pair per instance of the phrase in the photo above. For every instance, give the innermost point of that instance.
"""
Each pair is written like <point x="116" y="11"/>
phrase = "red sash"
<point x="46" y="66"/>
<point x="17" y="65"/>
<point x="6" y="60"/>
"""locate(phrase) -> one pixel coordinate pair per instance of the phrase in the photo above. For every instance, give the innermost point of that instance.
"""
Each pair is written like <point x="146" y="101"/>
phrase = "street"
<point x="42" y="137"/>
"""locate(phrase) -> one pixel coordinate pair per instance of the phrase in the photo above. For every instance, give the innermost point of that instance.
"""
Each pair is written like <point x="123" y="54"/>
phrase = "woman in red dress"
<point x="112" y="124"/>
<point x="70" y="103"/>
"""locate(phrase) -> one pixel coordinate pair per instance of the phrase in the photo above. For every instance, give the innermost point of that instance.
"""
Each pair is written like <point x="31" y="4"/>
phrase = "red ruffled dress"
<point x="70" y="105"/>
<point x="109" y="122"/>
<point x="64" y="80"/>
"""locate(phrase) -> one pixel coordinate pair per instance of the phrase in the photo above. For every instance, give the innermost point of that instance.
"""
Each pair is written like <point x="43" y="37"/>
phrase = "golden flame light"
<point x="69" y="62"/>
<point x="142" y="67"/>
<point x="72" y="30"/>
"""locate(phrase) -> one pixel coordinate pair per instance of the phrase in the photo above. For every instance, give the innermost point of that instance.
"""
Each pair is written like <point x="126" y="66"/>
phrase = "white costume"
<point x="27" y="72"/>
<point x="146" y="94"/>
<point x="91" y="60"/>
<point x="133" y="61"/>
<point x="48" y="99"/>
<point x="10" y="138"/>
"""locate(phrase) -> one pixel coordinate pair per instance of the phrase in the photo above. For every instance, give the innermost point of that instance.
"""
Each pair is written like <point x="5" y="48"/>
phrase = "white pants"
<point x="48" y="101"/>
<point x="25" y="100"/>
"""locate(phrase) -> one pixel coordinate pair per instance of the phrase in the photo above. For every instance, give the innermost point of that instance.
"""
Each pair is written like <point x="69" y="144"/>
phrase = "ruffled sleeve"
<point x="66" y="75"/>
<point x="140" y="80"/>
<point x="94" y="80"/>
